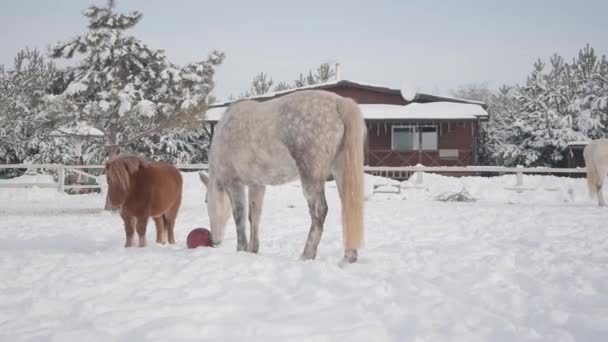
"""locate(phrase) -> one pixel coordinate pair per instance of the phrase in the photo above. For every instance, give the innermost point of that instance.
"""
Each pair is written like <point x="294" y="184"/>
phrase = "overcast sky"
<point x="436" y="45"/>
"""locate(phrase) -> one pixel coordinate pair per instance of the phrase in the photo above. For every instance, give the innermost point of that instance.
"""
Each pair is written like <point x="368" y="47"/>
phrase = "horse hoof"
<point x="253" y="249"/>
<point x="350" y="256"/>
<point x="304" y="257"/>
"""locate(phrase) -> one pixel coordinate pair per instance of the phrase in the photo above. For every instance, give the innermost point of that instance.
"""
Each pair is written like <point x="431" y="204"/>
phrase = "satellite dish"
<point x="408" y="91"/>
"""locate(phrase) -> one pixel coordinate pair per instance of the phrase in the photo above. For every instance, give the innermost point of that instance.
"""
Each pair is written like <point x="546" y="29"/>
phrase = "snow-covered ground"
<point x="529" y="266"/>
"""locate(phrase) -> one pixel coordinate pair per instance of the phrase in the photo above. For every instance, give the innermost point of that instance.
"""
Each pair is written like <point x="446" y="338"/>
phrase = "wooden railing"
<point x="419" y="171"/>
<point x="62" y="170"/>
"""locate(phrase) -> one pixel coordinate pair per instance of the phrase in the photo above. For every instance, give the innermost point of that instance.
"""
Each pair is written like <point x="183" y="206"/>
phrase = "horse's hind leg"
<point x="142" y="223"/>
<point x="160" y="227"/>
<point x="317" y="205"/>
<point x="236" y="192"/>
<point x="600" y="196"/>
<point x="169" y="218"/>
<point x="600" y="184"/>
<point x="256" y="200"/>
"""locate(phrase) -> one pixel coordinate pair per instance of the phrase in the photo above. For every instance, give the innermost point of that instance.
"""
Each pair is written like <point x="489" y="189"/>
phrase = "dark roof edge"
<point x="334" y="84"/>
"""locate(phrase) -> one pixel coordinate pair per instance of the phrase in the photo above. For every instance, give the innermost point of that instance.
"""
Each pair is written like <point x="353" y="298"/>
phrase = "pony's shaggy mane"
<point x="119" y="170"/>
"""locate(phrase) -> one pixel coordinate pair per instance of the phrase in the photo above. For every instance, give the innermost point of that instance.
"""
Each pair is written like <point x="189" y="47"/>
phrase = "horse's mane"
<point x="120" y="168"/>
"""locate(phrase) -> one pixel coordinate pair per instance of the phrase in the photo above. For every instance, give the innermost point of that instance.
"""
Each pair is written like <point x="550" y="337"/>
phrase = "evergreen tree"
<point x="497" y="139"/>
<point x="300" y="82"/>
<point x="124" y="88"/>
<point x="590" y="101"/>
<point x="22" y="93"/>
<point x="261" y="84"/>
<point x="559" y="103"/>
<point x="282" y="86"/>
<point x="474" y="91"/>
<point x="324" y="73"/>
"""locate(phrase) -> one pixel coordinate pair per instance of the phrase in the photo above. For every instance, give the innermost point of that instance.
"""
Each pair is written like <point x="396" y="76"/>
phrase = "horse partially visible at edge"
<point x="309" y="134"/>
<point x="142" y="189"/>
<point x="596" y="161"/>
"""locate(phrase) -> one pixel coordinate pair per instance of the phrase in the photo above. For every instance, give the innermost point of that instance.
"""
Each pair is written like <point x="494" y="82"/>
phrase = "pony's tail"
<point x="592" y="177"/>
<point x="352" y="175"/>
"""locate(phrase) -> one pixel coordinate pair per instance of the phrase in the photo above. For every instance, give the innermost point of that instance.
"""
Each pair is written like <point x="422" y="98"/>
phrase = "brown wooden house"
<point x="430" y="130"/>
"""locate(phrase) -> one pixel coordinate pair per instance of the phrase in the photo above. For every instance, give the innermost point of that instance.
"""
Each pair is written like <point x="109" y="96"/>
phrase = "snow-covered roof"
<point x="412" y="111"/>
<point x="424" y="111"/>
<point x="214" y="114"/>
<point x="340" y="82"/>
<point x="579" y="143"/>
<point x="79" y="130"/>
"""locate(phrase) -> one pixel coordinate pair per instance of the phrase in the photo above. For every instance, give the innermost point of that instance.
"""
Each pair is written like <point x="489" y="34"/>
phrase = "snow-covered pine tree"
<point x="22" y="90"/>
<point x="497" y="140"/>
<point x="544" y="126"/>
<point x="124" y="88"/>
<point x="590" y="101"/>
<point x="474" y="91"/>
<point x="324" y="73"/>
<point x="300" y="82"/>
<point x="282" y="86"/>
<point x="261" y="84"/>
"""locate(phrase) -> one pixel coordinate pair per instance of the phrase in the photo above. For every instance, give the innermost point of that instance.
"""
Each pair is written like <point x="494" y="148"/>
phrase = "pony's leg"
<point x="236" y="193"/>
<point x="142" y="223"/>
<point x="129" y="222"/>
<point x="160" y="228"/>
<point x="256" y="200"/>
<point x="170" y="217"/>
<point x="317" y="205"/>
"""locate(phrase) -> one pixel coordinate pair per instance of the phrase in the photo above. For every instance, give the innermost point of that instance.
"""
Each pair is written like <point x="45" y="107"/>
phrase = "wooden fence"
<point x="63" y="170"/>
<point x="418" y="170"/>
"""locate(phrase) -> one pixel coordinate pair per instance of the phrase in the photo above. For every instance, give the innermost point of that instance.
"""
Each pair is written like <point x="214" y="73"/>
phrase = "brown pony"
<point x="143" y="189"/>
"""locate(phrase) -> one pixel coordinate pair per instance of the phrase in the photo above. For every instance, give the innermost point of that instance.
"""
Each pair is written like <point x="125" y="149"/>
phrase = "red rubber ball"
<point x="199" y="237"/>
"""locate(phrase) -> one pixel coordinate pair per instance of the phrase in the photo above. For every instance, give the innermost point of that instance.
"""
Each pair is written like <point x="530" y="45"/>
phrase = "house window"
<point x="428" y="137"/>
<point x="405" y="138"/>
<point x="414" y="138"/>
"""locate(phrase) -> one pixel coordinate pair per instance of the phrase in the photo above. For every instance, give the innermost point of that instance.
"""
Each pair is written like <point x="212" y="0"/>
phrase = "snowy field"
<point x="530" y="266"/>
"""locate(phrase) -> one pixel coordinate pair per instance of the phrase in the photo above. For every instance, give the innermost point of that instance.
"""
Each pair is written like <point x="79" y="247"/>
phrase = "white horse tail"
<point x="352" y="175"/>
<point x="593" y="176"/>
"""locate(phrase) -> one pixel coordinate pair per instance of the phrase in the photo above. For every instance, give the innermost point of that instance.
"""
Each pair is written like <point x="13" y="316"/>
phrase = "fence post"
<point x="520" y="177"/>
<point x="61" y="179"/>
<point x="419" y="177"/>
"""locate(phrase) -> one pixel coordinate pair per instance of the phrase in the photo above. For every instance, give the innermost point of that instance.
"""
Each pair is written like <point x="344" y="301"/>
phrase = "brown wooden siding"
<point x="459" y="135"/>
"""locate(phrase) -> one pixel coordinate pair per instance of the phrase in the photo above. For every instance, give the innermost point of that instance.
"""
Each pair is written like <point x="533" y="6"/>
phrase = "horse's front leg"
<point x="142" y="223"/>
<point x="317" y="206"/>
<point x="256" y="200"/>
<point x="129" y="222"/>
<point x="236" y="192"/>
